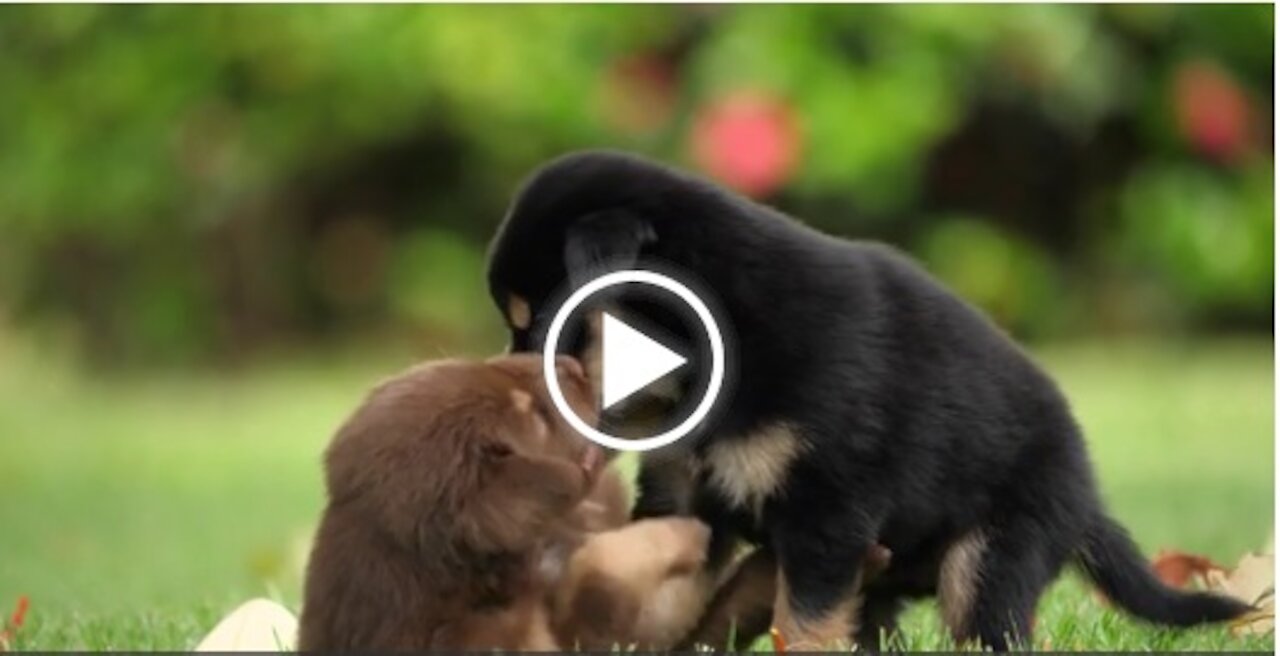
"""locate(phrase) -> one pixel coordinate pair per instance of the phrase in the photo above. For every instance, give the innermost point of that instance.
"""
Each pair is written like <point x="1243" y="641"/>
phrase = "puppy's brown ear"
<point x="604" y="241"/>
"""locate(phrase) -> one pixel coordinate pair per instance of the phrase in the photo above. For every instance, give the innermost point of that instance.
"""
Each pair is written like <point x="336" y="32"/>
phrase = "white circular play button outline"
<point x="646" y="277"/>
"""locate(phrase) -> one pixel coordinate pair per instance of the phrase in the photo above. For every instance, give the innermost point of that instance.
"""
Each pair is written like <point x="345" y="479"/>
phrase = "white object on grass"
<point x="256" y="625"/>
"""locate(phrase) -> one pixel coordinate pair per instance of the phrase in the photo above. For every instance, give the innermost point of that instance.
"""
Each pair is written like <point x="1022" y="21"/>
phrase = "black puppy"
<point x="871" y="405"/>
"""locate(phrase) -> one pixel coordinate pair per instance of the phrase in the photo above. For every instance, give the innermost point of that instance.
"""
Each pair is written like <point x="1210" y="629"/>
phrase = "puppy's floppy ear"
<point x="604" y="241"/>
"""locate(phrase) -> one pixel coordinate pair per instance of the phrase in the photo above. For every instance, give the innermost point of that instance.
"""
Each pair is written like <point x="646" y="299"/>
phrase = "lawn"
<point x="135" y="511"/>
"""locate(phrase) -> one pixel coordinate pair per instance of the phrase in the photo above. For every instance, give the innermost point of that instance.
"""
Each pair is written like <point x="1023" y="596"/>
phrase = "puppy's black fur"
<point x="915" y="421"/>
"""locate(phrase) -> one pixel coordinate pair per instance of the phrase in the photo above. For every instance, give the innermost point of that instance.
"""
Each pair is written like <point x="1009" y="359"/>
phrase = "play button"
<point x="631" y="361"/>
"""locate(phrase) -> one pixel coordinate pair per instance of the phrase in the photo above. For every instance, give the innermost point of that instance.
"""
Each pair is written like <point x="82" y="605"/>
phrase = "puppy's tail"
<point x="1111" y="559"/>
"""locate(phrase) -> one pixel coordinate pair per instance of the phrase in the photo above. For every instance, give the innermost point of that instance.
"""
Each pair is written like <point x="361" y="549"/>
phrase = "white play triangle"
<point x="632" y="360"/>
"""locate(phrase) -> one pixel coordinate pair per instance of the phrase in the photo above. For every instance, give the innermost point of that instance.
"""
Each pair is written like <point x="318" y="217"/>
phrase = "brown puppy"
<point x="462" y="510"/>
<point x="443" y="489"/>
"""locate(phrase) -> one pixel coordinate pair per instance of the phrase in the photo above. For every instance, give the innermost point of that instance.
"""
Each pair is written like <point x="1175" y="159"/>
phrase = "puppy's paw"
<point x="687" y="544"/>
<point x="660" y="547"/>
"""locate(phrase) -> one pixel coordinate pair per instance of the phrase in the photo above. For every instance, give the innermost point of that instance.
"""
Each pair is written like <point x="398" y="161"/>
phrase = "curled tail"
<point x="1111" y="559"/>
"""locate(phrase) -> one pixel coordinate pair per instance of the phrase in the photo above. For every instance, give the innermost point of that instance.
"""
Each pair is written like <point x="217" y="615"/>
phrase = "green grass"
<point x="135" y="512"/>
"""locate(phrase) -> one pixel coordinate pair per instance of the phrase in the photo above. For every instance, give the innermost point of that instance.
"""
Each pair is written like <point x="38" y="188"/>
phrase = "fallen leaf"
<point x="257" y="625"/>
<point x="1258" y="622"/>
<point x="1252" y="581"/>
<point x="1178" y="569"/>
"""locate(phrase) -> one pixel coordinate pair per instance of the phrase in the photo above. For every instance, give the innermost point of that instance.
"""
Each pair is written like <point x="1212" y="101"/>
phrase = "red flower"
<point x="20" y="614"/>
<point x="1212" y="110"/>
<point x="15" y="622"/>
<point x="748" y="140"/>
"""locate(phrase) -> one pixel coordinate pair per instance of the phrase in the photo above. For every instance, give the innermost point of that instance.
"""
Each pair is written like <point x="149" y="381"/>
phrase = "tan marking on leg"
<point x="832" y="631"/>
<point x="518" y="312"/>
<point x="958" y="579"/>
<point x="749" y="471"/>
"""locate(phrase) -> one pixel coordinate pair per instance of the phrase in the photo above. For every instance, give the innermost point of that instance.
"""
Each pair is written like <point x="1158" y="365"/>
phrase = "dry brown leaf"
<point x="1251" y="581"/>
<point x="256" y="625"/>
<point x="1258" y="622"/>
<point x="1179" y="569"/>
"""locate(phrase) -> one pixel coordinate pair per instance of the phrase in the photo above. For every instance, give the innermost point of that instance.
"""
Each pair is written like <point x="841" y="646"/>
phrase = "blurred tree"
<point x="183" y="181"/>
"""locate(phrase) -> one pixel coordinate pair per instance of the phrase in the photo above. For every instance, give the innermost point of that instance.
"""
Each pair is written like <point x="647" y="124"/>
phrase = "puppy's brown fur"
<point x="443" y="489"/>
<point x="465" y="514"/>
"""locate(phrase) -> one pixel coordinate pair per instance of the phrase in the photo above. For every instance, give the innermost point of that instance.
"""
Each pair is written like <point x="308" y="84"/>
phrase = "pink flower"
<point x="1212" y="111"/>
<point x="748" y="140"/>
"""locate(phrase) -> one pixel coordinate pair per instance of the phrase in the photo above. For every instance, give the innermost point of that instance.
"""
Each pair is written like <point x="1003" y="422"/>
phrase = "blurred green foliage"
<point x="184" y="181"/>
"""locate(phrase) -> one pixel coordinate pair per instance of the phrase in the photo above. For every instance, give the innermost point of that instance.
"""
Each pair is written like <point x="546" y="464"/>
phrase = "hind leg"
<point x="819" y="584"/>
<point x="991" y="580"/>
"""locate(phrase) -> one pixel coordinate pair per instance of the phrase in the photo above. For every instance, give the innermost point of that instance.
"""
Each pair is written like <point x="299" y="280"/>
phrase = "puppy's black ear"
<point x="604" y="241"/>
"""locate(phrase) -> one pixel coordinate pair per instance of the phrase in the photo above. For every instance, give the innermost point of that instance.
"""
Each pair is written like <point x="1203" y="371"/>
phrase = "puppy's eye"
<point x="497" y="450"/>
